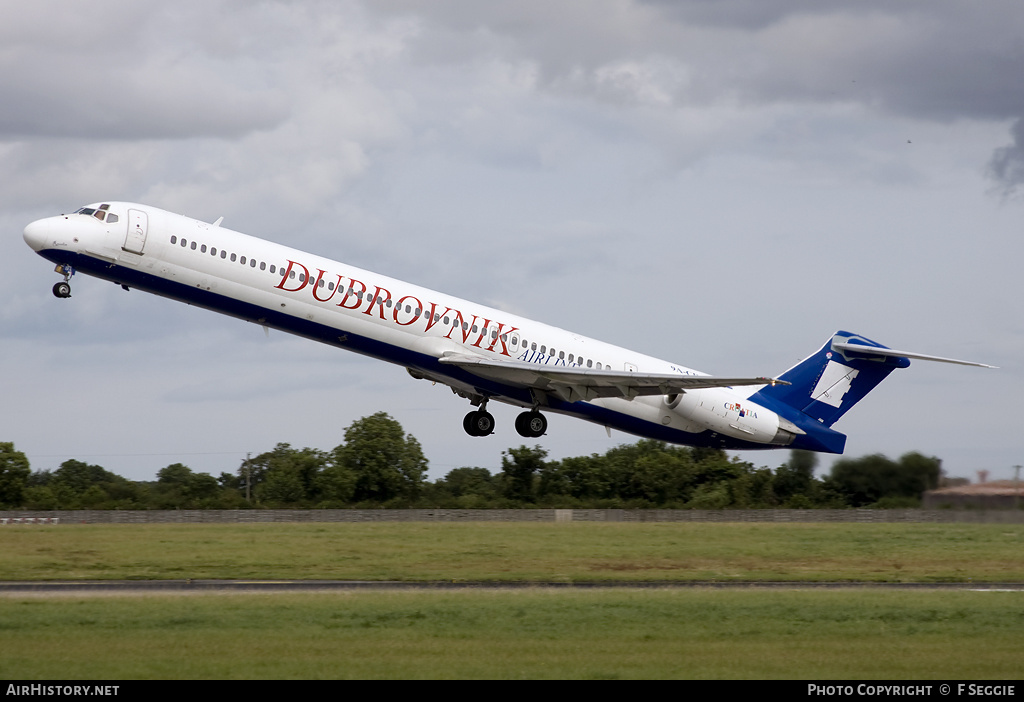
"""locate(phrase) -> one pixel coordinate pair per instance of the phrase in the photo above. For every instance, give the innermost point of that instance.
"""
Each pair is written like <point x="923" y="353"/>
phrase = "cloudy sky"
<point x="722" y="184"/>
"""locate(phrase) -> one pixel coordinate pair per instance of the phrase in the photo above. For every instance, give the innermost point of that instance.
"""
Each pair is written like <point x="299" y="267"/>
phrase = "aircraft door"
<point x="135" y="239"/>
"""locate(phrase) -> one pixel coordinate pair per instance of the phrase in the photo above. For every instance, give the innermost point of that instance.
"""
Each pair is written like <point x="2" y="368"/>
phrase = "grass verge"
<point x="539" y="633"/>
<point x="573" y="552"/>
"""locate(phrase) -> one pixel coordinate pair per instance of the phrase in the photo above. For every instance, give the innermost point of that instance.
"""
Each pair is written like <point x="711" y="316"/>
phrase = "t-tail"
<point x="826" y="385"/>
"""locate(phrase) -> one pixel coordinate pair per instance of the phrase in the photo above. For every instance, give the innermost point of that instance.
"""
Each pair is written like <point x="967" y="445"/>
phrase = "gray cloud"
<point x="1007" y="164"/>
<point x="124" y="71"/>
<point x="937" y="60"/>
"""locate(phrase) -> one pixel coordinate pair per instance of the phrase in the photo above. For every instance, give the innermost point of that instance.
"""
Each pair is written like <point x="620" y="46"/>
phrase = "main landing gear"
<point x="531" y="424"/>
<point x="478" y="423"/>
<point x="481" y="423"/>
<point x="63" y="289"/>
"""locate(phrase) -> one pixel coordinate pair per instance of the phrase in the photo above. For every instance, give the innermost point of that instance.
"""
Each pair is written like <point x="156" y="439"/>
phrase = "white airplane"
<point x="481" y="353"/>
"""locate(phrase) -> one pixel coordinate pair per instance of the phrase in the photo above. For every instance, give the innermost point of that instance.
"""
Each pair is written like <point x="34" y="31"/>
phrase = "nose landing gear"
<point x="63" y="289"/>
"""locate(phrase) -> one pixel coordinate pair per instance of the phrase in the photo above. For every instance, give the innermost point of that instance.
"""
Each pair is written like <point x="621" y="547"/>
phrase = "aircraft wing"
<point x="584" y="384"/>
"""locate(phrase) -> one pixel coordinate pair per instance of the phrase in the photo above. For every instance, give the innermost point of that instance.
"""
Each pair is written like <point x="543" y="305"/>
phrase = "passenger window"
<point x="543" y="349"/>
<point x="234" y="258"/>
<point x="223" y="253"/>
<point x="534" y="346"/>
<point x="263" y="267"/>
<point x="213" y="250"/>
<point x="184" y="242"/>
<point x="590" y="362"/>
<point x="242" y="260"/>
<point x="203" y="248"/>
<point x="193" y="246"/>
<point x="252" y="264"/>
<point x="174" y="240"/>
<point x="273" y="268"/>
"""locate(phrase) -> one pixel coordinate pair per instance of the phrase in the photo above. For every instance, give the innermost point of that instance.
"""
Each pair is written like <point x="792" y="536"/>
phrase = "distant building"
<point x="997" y="494"/>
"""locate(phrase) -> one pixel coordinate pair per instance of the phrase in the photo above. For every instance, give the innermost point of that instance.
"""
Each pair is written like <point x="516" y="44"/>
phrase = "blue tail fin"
<point x="826" y="385"/>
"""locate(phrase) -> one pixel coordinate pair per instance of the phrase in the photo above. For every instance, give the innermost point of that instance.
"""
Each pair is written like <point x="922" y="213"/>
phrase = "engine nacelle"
<point x="723" y="413"/>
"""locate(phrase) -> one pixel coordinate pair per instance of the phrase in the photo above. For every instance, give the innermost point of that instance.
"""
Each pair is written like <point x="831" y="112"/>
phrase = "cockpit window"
<point x="99" y="213"/>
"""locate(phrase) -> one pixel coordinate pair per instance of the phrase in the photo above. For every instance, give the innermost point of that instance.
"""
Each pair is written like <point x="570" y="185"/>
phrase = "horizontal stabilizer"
<point x="827" y="384"/>
<point x="866" y="352"/>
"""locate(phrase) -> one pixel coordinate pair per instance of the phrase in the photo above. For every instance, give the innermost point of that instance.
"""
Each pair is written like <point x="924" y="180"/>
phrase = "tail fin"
<point x="826" y="385"/>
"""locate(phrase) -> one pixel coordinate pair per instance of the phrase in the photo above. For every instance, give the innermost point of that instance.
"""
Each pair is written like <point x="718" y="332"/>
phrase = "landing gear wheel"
<point x="62" y="290"/>
<point x="531" y="424"/>
<point x="478" y="423"/>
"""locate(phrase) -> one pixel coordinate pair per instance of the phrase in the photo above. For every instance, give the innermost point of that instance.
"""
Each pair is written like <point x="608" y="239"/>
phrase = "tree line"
<point x="379" y="465"/>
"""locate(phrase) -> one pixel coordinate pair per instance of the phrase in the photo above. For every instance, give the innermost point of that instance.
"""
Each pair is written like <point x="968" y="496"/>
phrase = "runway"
<point x="186" y="586"/>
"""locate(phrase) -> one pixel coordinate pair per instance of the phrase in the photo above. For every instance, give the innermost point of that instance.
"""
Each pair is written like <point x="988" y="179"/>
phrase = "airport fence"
<point x="246" y="516"/>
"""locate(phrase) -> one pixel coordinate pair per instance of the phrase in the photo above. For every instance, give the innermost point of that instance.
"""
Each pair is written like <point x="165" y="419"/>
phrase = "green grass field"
<point x="532" y="633"/>
<point x="530" y="552"/>
<point x="521" y="633"/>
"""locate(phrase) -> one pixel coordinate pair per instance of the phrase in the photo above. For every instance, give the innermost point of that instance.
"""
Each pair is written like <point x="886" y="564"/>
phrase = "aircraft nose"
<point x="35" y="234"/>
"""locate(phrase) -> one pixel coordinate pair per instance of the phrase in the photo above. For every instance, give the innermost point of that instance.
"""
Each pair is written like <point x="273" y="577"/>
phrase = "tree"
<point x="865" y="481"/>
<point x="470" y="481"/>
<point x="79" y="485"/>
<point x="293" y="472"/>
<point x="281" y="486"/>
<point x="335" y="484"/>
<point x="659" y="476"/>
<point x="586" y="477"/>
<point x="796" y="476"/>
<point x="518" y="466"/>
<point x="81" y="476"/>
<point x="175" y="475"/>
<point x="14" y="475"/>
<point x="385" y="462"/>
